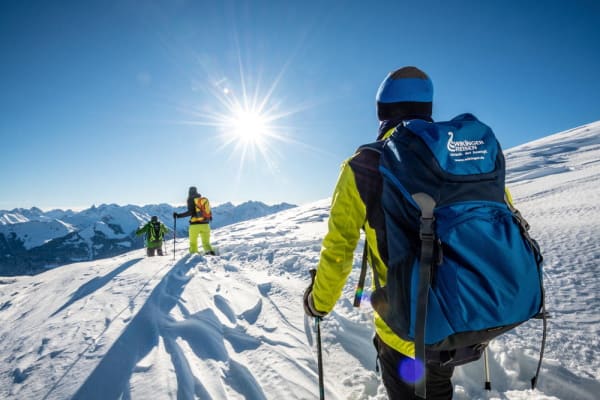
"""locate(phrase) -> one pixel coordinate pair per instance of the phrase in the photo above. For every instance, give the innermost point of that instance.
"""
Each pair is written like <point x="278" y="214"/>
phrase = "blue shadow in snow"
<point x="110" y="378"/>
<point x="94" y="284"/>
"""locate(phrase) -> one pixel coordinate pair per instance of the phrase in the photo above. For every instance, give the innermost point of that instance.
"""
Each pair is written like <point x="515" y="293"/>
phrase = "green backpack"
<point x="155" y="233"/>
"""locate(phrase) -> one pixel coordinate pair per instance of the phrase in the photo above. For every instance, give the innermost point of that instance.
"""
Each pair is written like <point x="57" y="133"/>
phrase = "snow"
<point x="11" y="218"/>
<point x="35" y="233"/>
<point x="19" y="215"/>
<point x="230" y="327"/>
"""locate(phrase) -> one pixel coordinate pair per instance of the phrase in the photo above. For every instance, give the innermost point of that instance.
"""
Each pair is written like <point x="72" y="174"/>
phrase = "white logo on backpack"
<point x="465" y="150"/>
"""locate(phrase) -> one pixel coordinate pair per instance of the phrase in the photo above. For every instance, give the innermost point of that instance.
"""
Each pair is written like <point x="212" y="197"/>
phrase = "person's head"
<point x="406" y="92"/>
<point x="193" y="191"/>
<point x="154" y="218"/>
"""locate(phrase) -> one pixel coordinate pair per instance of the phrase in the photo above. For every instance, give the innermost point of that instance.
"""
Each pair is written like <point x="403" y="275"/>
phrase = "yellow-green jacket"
<point x="355" y="206"/>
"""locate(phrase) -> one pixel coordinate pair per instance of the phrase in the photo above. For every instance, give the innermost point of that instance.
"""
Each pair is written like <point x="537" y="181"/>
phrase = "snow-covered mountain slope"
<point x="232" y="326"/>
<point x="32" y="240"/>
<point x="36" y="233"/>
<point x="555" y="182"/>
<point x="168" y="326"/>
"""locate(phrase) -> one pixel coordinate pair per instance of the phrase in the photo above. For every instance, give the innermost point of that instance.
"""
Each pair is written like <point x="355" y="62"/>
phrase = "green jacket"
<point x="155" y="233"/>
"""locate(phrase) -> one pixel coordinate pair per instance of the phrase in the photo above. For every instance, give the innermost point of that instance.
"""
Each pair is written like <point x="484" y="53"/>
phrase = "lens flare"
<point x="364" y="296"/>
<point x="411" y="370"/>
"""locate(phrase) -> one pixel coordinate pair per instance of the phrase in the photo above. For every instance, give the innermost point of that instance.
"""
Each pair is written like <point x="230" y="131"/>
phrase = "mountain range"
<point x="32" y="240"/>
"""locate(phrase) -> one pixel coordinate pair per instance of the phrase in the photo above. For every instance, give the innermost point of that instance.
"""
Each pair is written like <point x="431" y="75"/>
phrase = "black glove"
<point x="309" y="306"/>
<point x="175" y="215"/>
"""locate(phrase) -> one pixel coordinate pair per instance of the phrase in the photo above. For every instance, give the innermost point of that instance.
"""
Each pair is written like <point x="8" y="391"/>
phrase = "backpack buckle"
<point x="426" y="230"/>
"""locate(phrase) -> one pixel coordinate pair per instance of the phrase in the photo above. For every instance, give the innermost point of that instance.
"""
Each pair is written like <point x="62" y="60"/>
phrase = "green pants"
<point x="204" y="231"/>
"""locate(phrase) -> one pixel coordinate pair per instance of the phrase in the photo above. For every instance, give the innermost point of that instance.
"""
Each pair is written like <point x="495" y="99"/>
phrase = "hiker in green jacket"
<point x="155" y="233"/>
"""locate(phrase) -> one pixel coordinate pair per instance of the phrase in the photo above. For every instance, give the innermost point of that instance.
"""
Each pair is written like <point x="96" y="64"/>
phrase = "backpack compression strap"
<point x="361" y="279"/>
<point x="427" y="235"/>
<point x="367" y="255"/>
<point x="524" y="225"/>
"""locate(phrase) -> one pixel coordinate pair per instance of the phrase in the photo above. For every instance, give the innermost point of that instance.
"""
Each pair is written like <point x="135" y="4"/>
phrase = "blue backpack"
<point x="462" y="268"/>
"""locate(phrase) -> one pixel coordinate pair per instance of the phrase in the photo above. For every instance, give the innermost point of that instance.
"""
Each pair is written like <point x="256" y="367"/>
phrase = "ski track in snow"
<point x="231" y="327"/>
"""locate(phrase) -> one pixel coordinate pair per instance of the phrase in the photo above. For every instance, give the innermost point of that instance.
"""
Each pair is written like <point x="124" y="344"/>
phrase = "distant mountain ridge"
<point x="32" y="240"/>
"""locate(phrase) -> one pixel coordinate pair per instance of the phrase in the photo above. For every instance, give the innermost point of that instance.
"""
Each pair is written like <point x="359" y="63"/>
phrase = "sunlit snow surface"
<point x="232" y="327"/>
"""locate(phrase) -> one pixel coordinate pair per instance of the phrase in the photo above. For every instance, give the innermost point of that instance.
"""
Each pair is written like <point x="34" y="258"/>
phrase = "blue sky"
<point x="132" y="102"/>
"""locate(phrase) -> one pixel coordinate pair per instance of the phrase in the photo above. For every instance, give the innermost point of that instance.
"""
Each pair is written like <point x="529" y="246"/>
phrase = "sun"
<point x="249" y="126"/>
<point x="250" y="120"/>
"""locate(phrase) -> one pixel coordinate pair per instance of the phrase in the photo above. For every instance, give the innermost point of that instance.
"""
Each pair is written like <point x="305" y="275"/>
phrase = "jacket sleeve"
<point x="141" y="230"/>
<point x="347" y="217"/>
<point x="190" y="209"/>
<point x="508" y="197"/>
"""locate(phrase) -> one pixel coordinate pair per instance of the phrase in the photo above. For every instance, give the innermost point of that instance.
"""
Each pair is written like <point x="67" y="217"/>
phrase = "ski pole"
<point x="320" y="359"/>
<point x="174" y="235"/>
<point x="313" y="274"/>
<point x="488" y="383"/>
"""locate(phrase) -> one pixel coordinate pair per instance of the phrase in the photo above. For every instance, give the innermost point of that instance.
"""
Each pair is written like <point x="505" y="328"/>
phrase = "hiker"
<point x="155" y="234"/>
<point x="198" y="209"/>
<point x="437" y="218"/>
<point x="405" y="94"/>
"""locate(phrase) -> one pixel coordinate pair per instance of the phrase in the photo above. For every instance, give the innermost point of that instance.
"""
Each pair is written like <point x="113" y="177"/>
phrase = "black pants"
<point x="439" y="384"/>
<point x="150" y="251"/>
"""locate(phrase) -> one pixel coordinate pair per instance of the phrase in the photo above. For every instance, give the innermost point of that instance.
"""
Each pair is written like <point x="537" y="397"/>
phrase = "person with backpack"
<point x="385" y="189"/>
<point x="198" y="209"/>
<point x="154" y="235"/>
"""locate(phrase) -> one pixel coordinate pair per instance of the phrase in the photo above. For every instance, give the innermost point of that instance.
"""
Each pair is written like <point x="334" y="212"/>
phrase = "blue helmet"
<point x="406" y="92"/>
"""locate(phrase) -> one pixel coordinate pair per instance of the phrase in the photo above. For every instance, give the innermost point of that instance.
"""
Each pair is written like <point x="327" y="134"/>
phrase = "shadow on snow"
<point x="202" y="331"/>
<point x="94" y="284"/>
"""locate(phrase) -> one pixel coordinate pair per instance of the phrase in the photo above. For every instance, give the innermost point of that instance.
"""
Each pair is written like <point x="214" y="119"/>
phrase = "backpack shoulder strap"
<point x="374" y="146"/>
<point x="427" y="235"/>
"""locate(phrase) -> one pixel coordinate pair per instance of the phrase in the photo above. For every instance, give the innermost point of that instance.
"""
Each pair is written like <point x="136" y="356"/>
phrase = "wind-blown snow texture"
<point x="232" y="327"/>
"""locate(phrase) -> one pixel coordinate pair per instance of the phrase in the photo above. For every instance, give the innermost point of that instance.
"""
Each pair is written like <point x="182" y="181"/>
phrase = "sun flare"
<point x="249" y="126"/>
<point x="250" y="122"/>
